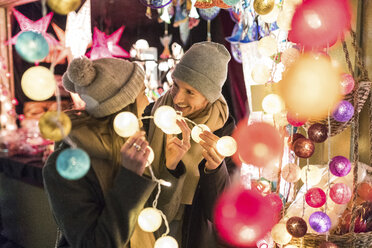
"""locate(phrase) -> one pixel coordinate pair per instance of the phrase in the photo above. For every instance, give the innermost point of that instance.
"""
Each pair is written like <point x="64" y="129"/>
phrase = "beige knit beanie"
<point x="204" y="67"/>
<point x="106" y="85"/>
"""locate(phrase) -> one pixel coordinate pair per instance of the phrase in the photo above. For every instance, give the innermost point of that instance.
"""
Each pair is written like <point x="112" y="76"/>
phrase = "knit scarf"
<point x="214" y="116"/>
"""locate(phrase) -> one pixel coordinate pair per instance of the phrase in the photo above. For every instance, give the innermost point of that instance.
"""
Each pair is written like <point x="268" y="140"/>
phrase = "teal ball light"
<point x="73" y="163"/>
<point x="32" y="46"/>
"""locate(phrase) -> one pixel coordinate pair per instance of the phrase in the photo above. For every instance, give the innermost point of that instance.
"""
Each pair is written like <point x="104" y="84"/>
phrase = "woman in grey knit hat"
<point x="198" y="171"/>
<point x="101" y="208"/>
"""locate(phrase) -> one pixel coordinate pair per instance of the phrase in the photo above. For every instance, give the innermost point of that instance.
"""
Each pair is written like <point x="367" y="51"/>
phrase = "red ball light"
<point x="315" y="197"/>
<point x="242" y="217"/>
<point x="259" y="144"/>
<point x="295" y="119"/>
<point x="340" y="193"/>
<point x="275" y="201"/>
<point x="303" y="148"/>
<point x="347" y="83"/>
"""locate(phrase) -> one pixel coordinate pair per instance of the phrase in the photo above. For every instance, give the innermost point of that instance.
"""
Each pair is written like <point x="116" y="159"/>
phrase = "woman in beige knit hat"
<point x="101" y="208"/>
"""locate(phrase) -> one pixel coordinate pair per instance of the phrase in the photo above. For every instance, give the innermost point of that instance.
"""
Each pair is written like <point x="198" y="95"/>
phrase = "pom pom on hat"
<point x="81" y="71"/>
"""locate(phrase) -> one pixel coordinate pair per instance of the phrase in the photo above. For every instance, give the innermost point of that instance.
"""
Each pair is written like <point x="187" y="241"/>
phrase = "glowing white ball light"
<point x="151" y="156"/>
<point x="38" y="83"/>
<point x="149" y="219"/>
<point x="165" y="118"/>
<point x="197" y="130"/>
<point x="226" y="146"/>
<point x="273" y="104"/>
<point x="166" y="242"/>
<point x="311" y="174"/>
<point x="260" y="73"/>
<point x="267" y="46"/>
<point x="126" y="124"/>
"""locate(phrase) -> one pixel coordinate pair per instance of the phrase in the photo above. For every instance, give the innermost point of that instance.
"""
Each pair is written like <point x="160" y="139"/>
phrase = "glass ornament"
<point x="320" y="222"/>
<point x="51" y="123"/>
<point x="32" y="46"/>
<point x="315" y="197"/>
<point x="340" y="166"/>
<point x="263" y="7"/>
<point x="165" y="118"/>
<point x="318" y="132"/>
<point x="226" y="146"/>
<point x="289" y="56"/>
<point x="365" y="191"/>
<point x="343" y="111"/>
<point x="347" y="83"/>
<point x="296" y="226"/>
<point x="242" y="217"/>
<point x="166" y="242"/>
<point x="303" y="148"/>
<point x="291" y="173"/>
<point x="264" y="146"/>
<point x="340" y="193"/>
<point x="209" y="14"/>
<point x="197" y="130"/>
<point x="267" y="46"/>
<point x="63" y="7"/>
<point x="73" y="163"/>
<point x="149" y="219"/>
<point x="272" y="104"/>
<point x="155" y="4"/>
<point x="38" y="83"/>
<point x="126" y="124"/>
<point x="280" y="234"/>
<point x="327" y="244"/>
<point x="295" y="119"/>
<point x="261" y="73"/>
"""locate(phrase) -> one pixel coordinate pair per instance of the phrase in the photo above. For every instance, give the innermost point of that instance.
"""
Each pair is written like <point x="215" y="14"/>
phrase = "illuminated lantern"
<point x="242" y="217"/>
<point x="166" y="242"/>
<point x="340" y="193"/>
<point x="197" y="130"/>
<point x="149" y="219"/>
<point x="347" y="83"/>
<point x="310" y="82"/>
<point x="318" y="132"/>
<point x="280" y="234"/>
<point x="343" y="112"/>
<point x="365" y="191"/>
<point x="63" y="7"/>
<point x="264" y="146"/>
<point x="320" y="222"/>
<point x="263" y="7"/>
<point x="327" y="244"/>
<point x="165" y="118"/>
<point x="126" y="124"/>
<point x="303" y="148"/>
<point x="226" y="146"/>
<point x="261" y="73"/>
<point x="38" y="83"/>
<point x="267" y="46"/>
<point x="289" y="56"/>
<point x="291" y="173"/>
<point x="73" y="163"/>
<point x="296" y="226"/>
<point x="272" y="104"/>
<point x="314" y="27"/>
<point x="151" y="156"/>
<point x="54" y="126"/>
<point x="295" y="120"/>
<point x="340" y="166"/>
<point x="32" y="46"/>
<point x="315" y="197"/>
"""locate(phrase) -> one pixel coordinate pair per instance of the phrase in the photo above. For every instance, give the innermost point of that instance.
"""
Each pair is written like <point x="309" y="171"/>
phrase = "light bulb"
<point x="197" y="130"/>
<point x="273" y="104"/>
<point x="126" y="124"/>
<point x="151" y="156"/>
<point x="149" y="219"/>
<point x="226" y="146"/>
<point x="165" y="118"/>
<point x="166" y="242"/>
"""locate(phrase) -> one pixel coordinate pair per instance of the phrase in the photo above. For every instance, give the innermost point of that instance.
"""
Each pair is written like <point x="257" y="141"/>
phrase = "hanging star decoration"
<point x="39" y="26"/>
<point x="106" y="46"/>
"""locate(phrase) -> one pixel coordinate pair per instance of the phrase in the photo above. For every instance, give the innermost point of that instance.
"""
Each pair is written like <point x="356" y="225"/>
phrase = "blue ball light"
<point x="32" y="46"/>
<point x="73" y="163"/>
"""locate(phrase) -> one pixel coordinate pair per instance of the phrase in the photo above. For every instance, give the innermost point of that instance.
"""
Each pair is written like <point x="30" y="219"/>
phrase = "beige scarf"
<point x="214" y="116"/>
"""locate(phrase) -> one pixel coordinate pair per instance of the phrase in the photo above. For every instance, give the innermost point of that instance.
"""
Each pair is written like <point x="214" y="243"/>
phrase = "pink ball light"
<point x="315" y="197"/>
<point x="320" y="222"/>
<point x="340" y="166"/>
<point x="340" y="193"/>
<point x="347" y="83"/>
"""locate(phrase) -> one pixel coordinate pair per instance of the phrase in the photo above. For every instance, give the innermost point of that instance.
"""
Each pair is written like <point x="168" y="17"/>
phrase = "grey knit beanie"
<point x="106" y="85"/>
<point x="204" y="67"/>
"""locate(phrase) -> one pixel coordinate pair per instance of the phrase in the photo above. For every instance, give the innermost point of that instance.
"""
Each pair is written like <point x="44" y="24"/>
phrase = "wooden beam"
<point x="12" y="3"/>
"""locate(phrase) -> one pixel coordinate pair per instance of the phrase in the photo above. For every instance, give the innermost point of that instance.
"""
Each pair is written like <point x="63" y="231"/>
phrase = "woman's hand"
<point x="134" y="153"/>
<point x="176" y="148"/>
<point x="208" y="142"/>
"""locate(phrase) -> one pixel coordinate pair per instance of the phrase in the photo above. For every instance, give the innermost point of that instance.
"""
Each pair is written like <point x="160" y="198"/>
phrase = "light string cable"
<point x="328" y="170"/>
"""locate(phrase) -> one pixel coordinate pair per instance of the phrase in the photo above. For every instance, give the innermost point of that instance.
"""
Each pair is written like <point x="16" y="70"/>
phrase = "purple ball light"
<point x="320" y="222"/>
<point x="340" y="166"/>
<point x="343" y="112"/>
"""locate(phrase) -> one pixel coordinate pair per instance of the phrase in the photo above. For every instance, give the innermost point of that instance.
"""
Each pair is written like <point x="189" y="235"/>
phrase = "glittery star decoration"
<point x="106" y="46"/>
<point x="39" y="26"/>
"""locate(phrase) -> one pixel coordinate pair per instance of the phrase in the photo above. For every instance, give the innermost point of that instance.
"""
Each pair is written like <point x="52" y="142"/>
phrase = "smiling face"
<point x="186" y="98"/>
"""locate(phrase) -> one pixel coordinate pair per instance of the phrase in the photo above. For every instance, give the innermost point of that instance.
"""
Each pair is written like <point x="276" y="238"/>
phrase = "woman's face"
<point x="187" y="99"/>
<point x="142" y="101"/>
